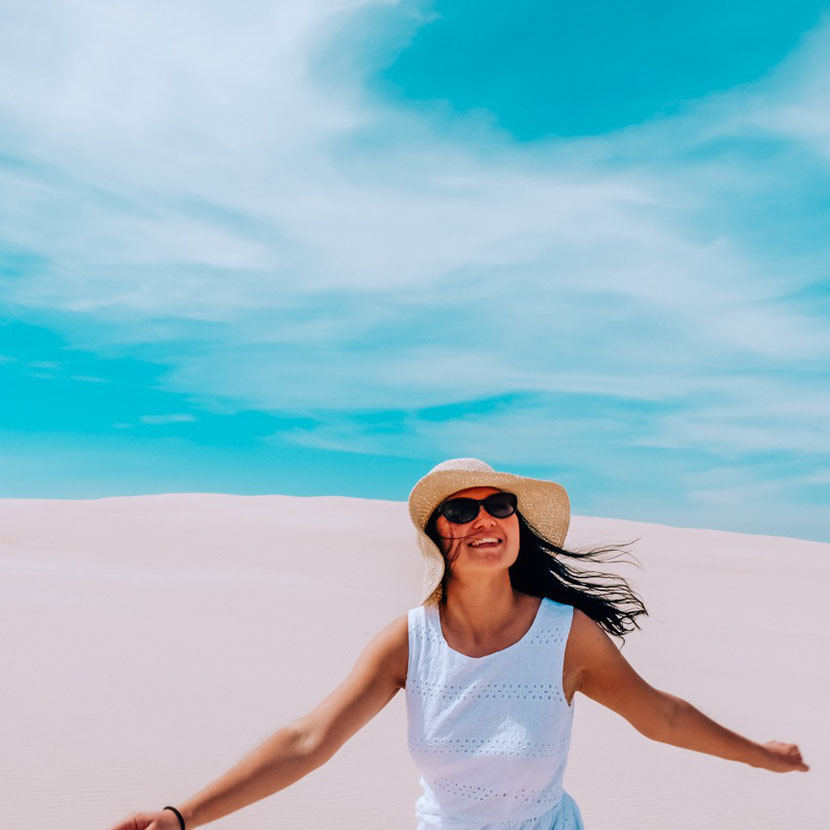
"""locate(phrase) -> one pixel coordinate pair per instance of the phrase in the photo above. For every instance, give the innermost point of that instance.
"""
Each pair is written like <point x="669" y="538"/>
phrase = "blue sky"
<point x="316" y="247"/>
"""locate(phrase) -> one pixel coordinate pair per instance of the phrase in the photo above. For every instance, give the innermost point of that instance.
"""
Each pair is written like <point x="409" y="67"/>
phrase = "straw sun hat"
<point x="543" y="504"/>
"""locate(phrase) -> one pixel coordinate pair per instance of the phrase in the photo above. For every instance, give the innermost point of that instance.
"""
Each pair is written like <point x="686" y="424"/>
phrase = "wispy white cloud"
<point x="173" y="418"/>
<point x="728" y="418"/>
<point x="793" y="101"/>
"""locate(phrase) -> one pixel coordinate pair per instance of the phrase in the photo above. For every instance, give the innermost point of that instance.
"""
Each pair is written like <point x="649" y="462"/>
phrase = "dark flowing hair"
<point x="540" y="570"/>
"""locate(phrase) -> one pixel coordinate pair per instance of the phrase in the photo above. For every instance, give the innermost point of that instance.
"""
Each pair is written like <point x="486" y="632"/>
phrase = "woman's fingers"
<point x="160" y="820"/>
<point x="785" y="757"/>
<point x="128" y="823"/>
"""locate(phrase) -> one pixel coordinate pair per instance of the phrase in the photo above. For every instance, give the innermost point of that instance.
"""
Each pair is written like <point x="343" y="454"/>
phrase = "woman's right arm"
<point x="300" y="747"/>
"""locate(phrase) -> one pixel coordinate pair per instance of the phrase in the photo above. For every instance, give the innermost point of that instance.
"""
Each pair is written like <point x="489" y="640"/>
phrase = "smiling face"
<point x="463" y="545"/>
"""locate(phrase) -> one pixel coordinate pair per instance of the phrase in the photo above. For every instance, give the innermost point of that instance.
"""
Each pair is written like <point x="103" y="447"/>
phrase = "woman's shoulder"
<point x="586" y="638"/>
<point x="389" y="648"/>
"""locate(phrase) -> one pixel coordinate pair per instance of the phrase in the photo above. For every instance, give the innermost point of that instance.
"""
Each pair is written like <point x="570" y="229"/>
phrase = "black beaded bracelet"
<point x="181" y="818"/>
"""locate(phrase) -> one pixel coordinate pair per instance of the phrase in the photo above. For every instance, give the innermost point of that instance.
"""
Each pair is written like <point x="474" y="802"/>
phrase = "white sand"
<point x="148" y="643"/>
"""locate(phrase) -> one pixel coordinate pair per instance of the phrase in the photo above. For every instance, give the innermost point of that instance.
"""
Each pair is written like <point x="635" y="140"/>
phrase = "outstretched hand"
<point x="781" y="757"/>
<point x="160" y="820"/>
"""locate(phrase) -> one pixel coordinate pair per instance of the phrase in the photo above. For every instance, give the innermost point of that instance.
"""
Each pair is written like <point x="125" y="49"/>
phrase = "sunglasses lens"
<point x="500" y="505"/>
<point x="460" y="511"/>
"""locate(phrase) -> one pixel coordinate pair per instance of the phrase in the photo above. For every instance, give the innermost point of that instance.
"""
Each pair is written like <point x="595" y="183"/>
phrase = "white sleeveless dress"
<point x="491" y="734"/>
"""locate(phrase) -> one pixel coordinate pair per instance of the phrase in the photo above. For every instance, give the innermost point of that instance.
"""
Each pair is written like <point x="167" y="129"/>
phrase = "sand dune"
<point x="149" y="642"/>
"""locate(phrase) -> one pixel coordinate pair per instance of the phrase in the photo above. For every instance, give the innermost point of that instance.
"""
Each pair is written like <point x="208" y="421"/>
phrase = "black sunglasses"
<point x="462" y="510"/>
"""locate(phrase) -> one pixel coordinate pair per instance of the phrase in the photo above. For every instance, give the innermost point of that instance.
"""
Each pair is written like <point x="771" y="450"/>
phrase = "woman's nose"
<point x="484" y="518"/>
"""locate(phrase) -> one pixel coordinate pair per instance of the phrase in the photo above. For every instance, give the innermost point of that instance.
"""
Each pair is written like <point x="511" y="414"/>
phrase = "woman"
<point x="490" y="662"/>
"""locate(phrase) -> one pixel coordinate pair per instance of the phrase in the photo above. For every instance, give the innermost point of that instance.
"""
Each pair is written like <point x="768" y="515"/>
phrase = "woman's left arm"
<point x="604" y="675"/>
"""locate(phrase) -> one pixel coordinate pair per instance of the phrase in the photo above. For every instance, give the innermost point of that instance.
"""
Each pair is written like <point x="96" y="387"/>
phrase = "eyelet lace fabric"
<point x="491" y="734"/>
